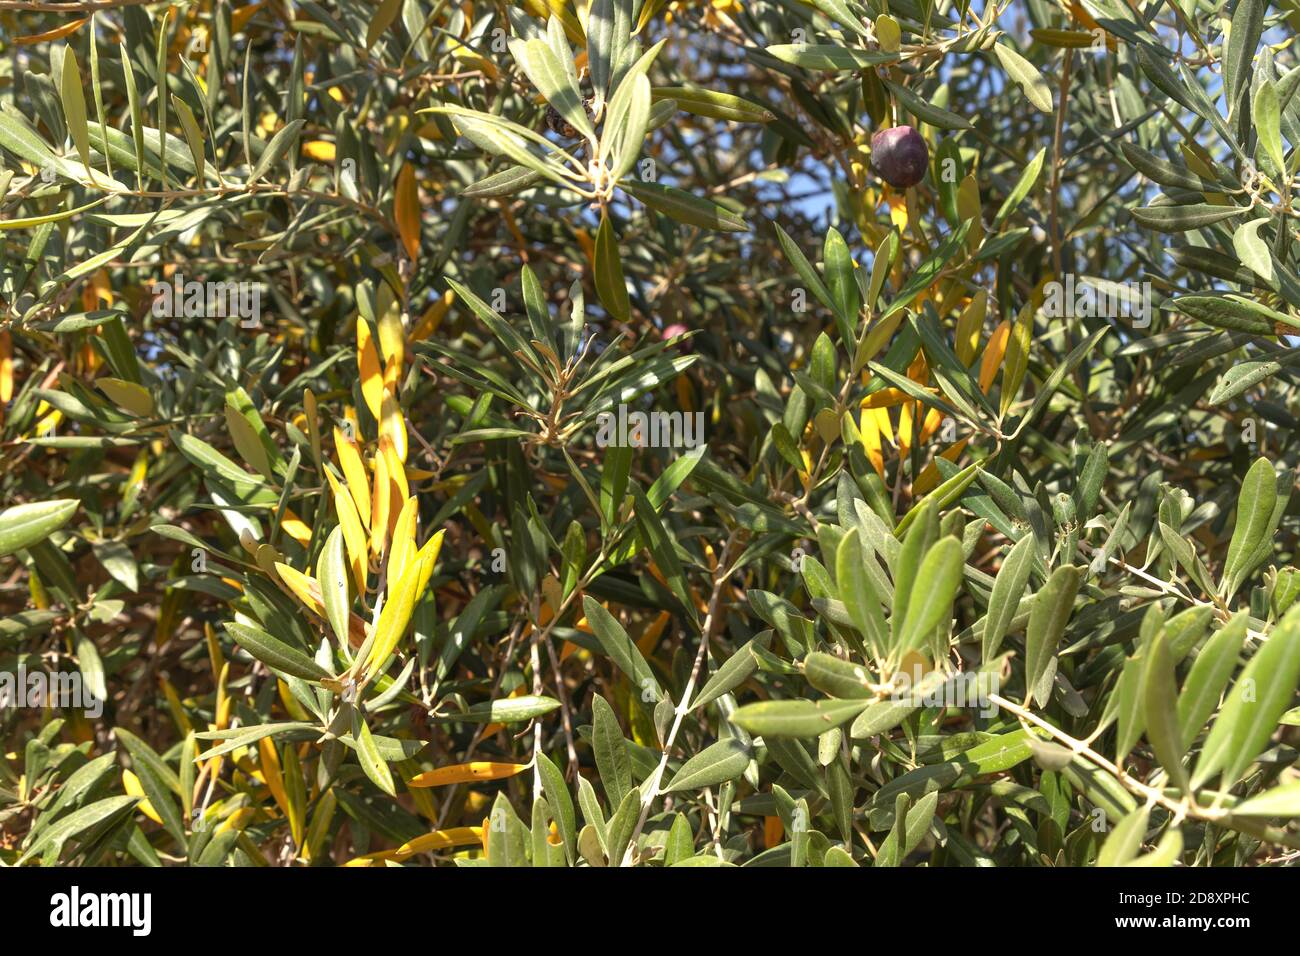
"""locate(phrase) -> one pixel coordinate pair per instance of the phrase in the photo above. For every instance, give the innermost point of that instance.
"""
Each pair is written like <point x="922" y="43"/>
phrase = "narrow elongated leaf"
<point x="1008" y="589"/>
<point x="1253" y="707"/>
<point x="796" y="718"/>
<point x="715" y="764"/>
<point x="25" y="525"/>
<point x="1047" y="620"/>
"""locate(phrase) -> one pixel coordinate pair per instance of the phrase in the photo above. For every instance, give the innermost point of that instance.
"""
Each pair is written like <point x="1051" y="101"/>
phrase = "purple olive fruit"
<point x="899" y="156"/>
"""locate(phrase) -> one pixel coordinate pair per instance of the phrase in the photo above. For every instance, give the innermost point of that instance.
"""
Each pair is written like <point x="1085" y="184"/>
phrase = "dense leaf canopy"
<point x="574" y="432"/>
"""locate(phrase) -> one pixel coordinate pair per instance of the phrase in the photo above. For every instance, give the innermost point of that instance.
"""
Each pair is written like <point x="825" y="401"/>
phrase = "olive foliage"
<point x="539" y="434"/>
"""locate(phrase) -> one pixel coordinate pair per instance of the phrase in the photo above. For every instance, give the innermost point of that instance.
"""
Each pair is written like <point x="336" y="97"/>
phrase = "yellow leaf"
<point x="304" y="588"/>
<point x="905" y="430"/>
<point x="439" y="840"/>
<point x="289" y="702"/>
<point x="392" y="426"/>
<point x="466" y="773"/>
<point x="393" y="618"/>
<point x="372" y="378"/>
<point x="870" y="432"/>
<point x="773" y="832"/>
<point x="898" y="209"/>
<point x="6" y="367"/>
<point x="269" y="765"/>
<point x="402" y="548"/>
<point x="392" y="337"/>
<point x="379" y="506"/>
<point x="398" y="488"/>
<point x="969" y="325"/>
<point x="174" y="705"/>
<point x="885" y="398"/>
<point x="406" y="211"/>
<point x="247" y="442"/>
<point x="647" y="641"/>
<point x="354" y="472"/>
<point x="928" y="479"/>
<point x="572" y="28"/>
<point x="991" y="361"/>
<point x="319" y="150"/>
<point x="236" y="821"/>
<point x="354" y="535"/>
<point x="131" y="784"/>
<point x="296" y="528"/>
<point x="1016" y="362"/>
<point x="239" y="18"/>
<point x="888" y="33"/>
<point x="132" y="398"/>
<point x="932" y="422"/>
<point x="427" y="557"/>
<point x="433" y="317"/>
<point x="58" y="33"/>
<point x="312" y="416"/>
<point x="968" y="207"/>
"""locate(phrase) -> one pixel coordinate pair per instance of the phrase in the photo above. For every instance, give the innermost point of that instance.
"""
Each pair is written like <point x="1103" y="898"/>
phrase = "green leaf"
<point x="558" y="795"/>
<point x="332" y="576"/>
<point x="1008" y="589"/>
<point x="159" y="782"/>
<point x="1243" y="42"/>
<point x="632" y="124"/>
<point x="683" y="207"/>
<point x="857" y="591"/>
<point x="1159" y="700"/>
<point x="715" y="764"/>
<point x="1267" y="117"/>
<point x="25" y="525"/>
<point x="1238" y="315"/>
<point x="796" y="718"/>
<point x="609" y="30"/>
<point x="1047" y="619"/>
<point x="74" y="106"/>
<point x="838" y="677"/>
<point x="193" y="136"/>
<point x="807" y="274"/>
<point x="827" y="56"/>
<point x="1125" y="840"/>
<point x="723" y="106"/>
<point x="622" y="650"/>
<point x="609" y="273"/>
<point x="1026" y="74"/>
<point x="1253" y="526"/>
<point x="1173" y="219"/>
<point x="1283" y="802"/>
<point x="555" y="82"/>
<point x="385" y="14"/>
<point x="502" y="138"/>
<point x="885" y="715"/>
<point x="1253" y="707"/>
<point x="621" y="826"/>
<point x="52" y="839"/>
<point x="924" y="110"/>
<point x="274" y="653"/>
<point x="1209" y="675"/>
<point x="279" y="146"/>
<point x="610" y="748"/>
<point x="507" y="710"/>
<point x="1252" y="250"/>
<point x="735" y="670"/>
<point x="935" y="588"/>
<point x="372" y="762"/>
